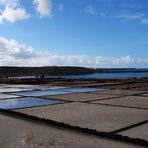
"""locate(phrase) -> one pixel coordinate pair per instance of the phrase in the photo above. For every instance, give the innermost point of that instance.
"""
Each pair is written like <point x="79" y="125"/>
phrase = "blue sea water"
<point x="109" y="75"/>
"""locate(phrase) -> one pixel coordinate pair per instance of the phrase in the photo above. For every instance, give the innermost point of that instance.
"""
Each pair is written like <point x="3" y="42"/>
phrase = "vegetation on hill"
<point x="39" y="71"/>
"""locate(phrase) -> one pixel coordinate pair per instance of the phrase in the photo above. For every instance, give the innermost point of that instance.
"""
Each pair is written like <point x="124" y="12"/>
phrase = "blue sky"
<point x="93" y="33"/>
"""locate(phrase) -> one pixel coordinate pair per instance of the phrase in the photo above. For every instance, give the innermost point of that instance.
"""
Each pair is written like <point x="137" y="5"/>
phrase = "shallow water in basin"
<point x="26" y="102"/>
<point x="5" y="90"/>
<point x="7" y="96"/>
<point x="41" y="93"/>
<point x="81" y="90"/>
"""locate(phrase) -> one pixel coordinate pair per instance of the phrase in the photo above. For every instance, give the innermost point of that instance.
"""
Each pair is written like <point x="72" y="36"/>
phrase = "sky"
<point x="91" y="33"/>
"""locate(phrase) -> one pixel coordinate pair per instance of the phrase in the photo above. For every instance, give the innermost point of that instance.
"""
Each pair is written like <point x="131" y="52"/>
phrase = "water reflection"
<point x="6" y="96"/>
<point x="4" y="90"/>
<point x="42" y="93"/>
<point x="84" y="89"/>
<point x="56" y="91"/>
<point x="26" y="102"/>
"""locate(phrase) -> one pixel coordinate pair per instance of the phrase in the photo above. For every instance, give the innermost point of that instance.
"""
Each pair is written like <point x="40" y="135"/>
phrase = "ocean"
<point x="108" y="75"/>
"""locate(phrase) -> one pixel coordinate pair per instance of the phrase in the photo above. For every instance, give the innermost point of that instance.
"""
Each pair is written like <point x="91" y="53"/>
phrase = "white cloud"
<point x="61" y="7"/>
<point x="90" y="9"/>
<point x="140" y="17"/>
<point x="123" y="60"/>
<point x="11" y="10"/>
<point x="130" y="5"/>
<point x="15" y="54"/>
<point x="130" y="16"/>
<point x="6" y="2"/>
<point x="12" y="13"/>
<point x="43" y="7"/>
<point x="144" y="21"/>
<point x="102" y="14"/>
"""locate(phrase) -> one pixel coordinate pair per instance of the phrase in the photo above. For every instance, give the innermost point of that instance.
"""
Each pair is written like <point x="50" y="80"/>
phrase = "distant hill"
<point x="120" y="70"/>
<point x="38" y="71"/>
<point x="60" y="70"/>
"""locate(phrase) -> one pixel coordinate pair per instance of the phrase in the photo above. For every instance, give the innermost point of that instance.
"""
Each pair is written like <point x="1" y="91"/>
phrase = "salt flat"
<point x="121" y="92"/>
<point x="129" y="101"/>
<point x="16" y="133"/>
<point x="93" y="108"/>
<point x="137" y="132"/>
<point x="146" y="95"/>
<point x="93" y="116"/>
<point x="81" y="97"/>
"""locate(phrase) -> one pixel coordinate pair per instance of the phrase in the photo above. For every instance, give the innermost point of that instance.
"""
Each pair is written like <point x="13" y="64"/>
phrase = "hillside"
<point x="38" y="71"/>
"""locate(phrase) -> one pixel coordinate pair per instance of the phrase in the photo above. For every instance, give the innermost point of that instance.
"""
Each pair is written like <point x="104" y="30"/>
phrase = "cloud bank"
<point x="14" y="54"/>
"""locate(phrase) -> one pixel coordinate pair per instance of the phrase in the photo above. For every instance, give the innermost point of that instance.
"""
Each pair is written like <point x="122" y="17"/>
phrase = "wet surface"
<point x="84" y="89"/>
<point x="55" y="91"/>
<point x="5" y="90"/>
<point x="7" y="96"/>
<point x="41" y="93"/>
<point x="26" y="102"/>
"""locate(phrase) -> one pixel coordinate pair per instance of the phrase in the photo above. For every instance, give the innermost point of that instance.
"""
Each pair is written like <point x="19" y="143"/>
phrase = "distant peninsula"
<point x="6" y="71"/>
